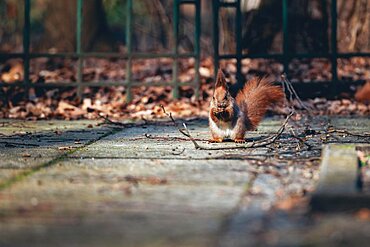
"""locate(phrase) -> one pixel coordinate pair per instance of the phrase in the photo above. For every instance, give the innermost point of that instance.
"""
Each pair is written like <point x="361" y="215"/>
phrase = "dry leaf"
<point x="363" y="214"/>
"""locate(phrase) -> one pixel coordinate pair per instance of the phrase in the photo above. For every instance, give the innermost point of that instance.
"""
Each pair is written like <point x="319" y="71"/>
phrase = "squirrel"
<point x="230" y="117"/>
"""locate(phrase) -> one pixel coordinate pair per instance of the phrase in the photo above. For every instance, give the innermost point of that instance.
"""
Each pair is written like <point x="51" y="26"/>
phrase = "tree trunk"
<point x="307" y="26"/>
<point x="60" y="25"/>
<point x="354" y="26"/>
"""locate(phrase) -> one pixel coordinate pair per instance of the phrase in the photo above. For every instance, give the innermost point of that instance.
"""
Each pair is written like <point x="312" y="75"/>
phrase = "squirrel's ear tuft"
<point x="220" y="80"/>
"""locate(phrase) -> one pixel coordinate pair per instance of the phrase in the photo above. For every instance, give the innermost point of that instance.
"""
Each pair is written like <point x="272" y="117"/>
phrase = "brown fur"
<point x="253" y="100"/>
<point x="363" y="94"/>
<point x="256" y="96"/>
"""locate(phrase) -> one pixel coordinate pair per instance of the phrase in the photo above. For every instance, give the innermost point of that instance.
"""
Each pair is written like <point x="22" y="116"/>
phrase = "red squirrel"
<point x="231" y="117"/>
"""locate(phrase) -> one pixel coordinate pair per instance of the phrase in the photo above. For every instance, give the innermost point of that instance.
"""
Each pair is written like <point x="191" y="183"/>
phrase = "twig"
<point x="122" y="125"/>
<point x="346" y="132"/>
<point x="240" y="157"/>
<point x="288" y="85"/>
<point x="108" y="121"/>
<point x="179" y="153"/>
<point x="262" y="143"/>
<point x="173" y="138"/>
<point x="175" y="123"/>
<point x="300" y="140"/>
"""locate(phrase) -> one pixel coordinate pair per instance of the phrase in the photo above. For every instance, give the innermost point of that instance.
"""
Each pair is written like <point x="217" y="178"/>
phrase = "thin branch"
<point x="173" y="138"/>
<point x="255" y="144"/>
<point x="122" y="125"/>
<point x="346" y="132"/>
<point x="288" y="85"/>
<point x="301" y="141"/>
<point x="108" y="121"/>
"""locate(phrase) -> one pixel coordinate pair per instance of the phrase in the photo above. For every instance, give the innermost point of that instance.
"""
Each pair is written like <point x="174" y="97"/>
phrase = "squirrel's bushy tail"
<point x="256" y="96"/>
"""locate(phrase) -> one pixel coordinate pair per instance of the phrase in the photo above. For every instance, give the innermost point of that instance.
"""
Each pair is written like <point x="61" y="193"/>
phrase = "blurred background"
<point x="53" y="26"/>
<point x="53" y="30"/>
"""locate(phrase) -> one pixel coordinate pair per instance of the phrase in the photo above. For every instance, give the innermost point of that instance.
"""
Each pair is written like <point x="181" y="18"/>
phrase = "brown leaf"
<point x="289" y="203"/>
<point x="363" y="214"/>
<point x="66" y="109"/>
<point x="14" y="74"/>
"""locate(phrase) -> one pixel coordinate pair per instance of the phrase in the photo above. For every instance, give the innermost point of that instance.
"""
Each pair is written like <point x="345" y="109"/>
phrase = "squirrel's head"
<point x="221" y="96"/>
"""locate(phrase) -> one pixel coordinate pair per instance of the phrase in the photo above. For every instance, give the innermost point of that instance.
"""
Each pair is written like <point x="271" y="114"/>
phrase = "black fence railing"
<point x="324" y="88"/>
<point x="129" y="55"/>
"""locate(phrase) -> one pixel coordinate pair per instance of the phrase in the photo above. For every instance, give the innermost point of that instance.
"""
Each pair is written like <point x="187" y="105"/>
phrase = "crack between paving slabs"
<point x="29" y="172"/>
<point x="228" y="219"/>
<point x="162" y="158"/>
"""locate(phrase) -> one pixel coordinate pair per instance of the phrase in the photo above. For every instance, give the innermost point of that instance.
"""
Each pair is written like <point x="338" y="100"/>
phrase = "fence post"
<point x="286" y="54"/>
<point x="215" y="33"/>
<point x="333" y="40"/>
<point x="175" y="67"/>
<point x="238" y="37"/>
<point x="79" y="16"/>
<point x="26" y="47"/>
<point x="129" y="50"/>
<point x="197" y="46"/>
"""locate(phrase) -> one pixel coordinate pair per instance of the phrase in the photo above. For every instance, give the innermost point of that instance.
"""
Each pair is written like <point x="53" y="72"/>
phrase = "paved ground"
<point x="83" y="184"/>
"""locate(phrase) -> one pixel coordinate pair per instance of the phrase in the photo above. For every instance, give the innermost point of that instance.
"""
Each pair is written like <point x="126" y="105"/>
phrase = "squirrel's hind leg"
<point x="216" y="137"/>
<point x="239" y="131"/>
<point x="216" y="140"/>
<point x="242" y="140"/>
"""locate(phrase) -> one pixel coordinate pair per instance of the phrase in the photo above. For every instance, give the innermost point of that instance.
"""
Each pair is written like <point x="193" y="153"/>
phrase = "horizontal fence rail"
<point x="129" y="56"/>
<point x="286" y="56"/>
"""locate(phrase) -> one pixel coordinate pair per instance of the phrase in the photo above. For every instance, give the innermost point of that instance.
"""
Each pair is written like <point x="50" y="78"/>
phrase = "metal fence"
<point x="286" y="56"/>
<point x="26" y="55"/>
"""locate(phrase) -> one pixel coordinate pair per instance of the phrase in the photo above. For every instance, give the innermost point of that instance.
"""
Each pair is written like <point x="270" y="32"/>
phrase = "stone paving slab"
<point x="28" y="144"/>
<point x="116" y="229"/>
<point x="9" y="127"/>
<point x="148" y="186"/>
<point x="338" y="171"/>
<point x="173" y="192"/>
<point x="129" y="179"/>
<point x="244" y="224"/>
<point x="166" y="142"/>
<point x="164" y="198"/>
<point x="339" y="187"/>
<point x="359" y="125"/>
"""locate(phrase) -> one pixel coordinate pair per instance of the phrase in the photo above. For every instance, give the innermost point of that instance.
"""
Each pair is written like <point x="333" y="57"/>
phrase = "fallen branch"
<point x="301" y="141"/>
<point x="255" y="144"/>
<point x="346" y="132"/>
<point x="184" y="130"/>
<point x="288" y="85"/>
<point x="164" y="138"/>
<point x="107" y="121"/>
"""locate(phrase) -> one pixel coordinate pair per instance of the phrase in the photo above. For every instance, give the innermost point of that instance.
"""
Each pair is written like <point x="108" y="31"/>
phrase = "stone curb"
<point x="339" y="187"/>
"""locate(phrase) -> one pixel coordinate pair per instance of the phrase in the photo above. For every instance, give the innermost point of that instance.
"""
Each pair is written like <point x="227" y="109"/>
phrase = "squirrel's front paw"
<point x="217" y="140"/>
<point x="239" y="141"/>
